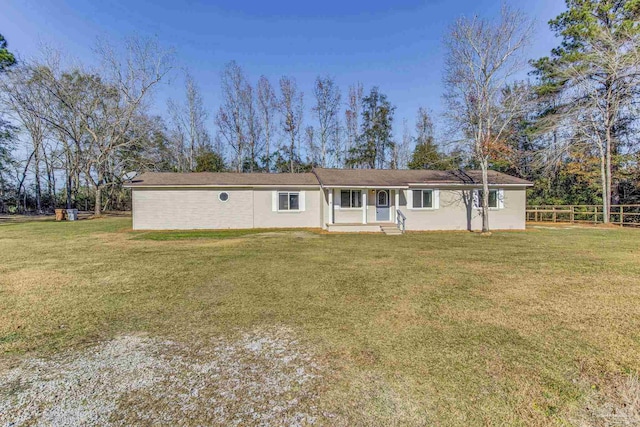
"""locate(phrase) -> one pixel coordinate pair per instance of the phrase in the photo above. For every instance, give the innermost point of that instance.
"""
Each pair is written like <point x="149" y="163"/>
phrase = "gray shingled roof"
<point x="161" y="179"/>
<point x="399" y="178"/>
<point x="327" y="177"/>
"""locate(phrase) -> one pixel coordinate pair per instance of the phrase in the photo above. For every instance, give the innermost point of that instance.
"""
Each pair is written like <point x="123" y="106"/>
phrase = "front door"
<point x="382" y="205"/>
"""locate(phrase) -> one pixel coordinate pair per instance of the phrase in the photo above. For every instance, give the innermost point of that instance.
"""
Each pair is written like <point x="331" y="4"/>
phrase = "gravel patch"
<point x="265" y="377"/>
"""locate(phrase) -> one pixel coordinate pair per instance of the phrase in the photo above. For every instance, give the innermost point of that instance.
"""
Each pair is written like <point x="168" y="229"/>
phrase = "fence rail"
<point x="624" y="215"/>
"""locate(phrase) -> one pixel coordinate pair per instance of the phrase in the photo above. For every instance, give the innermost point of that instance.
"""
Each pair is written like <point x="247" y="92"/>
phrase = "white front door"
<point x="382" y="206"/>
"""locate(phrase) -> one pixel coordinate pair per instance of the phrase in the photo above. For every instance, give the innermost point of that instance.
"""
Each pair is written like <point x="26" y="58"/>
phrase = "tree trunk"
<point x="606" y="197"/>
<point x="37" y="183"/>
<point x="68" y="183"/>
<point x="2" y="206"/>
<point x="603" y="177"/>
<point x="51" y="183"/>
<point x="485" y="195"/>
<point x="98" y="185"/>
<point x="291" y="151"/>
<point x="21" y="184"/>
<point x="267" y="158"/>
<point x="98" y="206"/>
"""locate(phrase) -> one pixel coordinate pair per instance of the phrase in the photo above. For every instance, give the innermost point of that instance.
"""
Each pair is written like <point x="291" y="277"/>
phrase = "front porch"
<point x="361" y="208"/>
<point x="359" y="227"/>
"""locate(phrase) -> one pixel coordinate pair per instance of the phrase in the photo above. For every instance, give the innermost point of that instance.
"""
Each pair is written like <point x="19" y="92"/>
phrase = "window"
<point x="383" y="198"/>
<point x="223" y="197"/>
<point x="350" y="199"/>
<point x="289" y="201"/>
<point x="493" y="199"/>
<point x="422" y="199"/>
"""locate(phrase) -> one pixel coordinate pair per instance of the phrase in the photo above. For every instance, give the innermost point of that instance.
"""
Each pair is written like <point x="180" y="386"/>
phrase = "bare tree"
<point x="190" y="122"/>
<point x="352" y="117"/>
<point x="291" y="110"/>
<point x="313" y="150"/>
<point x="20" y="96"/>
<point x="111" y="110"/>
<point x="61" y="93"/>
<point x="326" y="110"/>
<point x="253" y="126"/>
<point x="401" y="153"/>
<point x="482" y="58"/>
<point x="229" y="119"/>
<point x="267" y="109"/>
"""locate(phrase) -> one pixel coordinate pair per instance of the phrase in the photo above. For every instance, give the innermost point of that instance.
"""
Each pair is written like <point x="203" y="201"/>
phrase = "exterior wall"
<point x="166" y="209"/>
<point x="187" y="209"/>
<point x="327" y="213"/>
<point x="351" y="215"/>
<point x="345" y="215"/>
<point x="454" y="214"/>
<point x="184" y="209"/>
<point x="265" y="217"/>
<point x="371" y="205"/>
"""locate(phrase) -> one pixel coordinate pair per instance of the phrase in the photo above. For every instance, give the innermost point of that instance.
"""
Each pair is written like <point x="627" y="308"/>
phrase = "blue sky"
<point x="396" y="45"/>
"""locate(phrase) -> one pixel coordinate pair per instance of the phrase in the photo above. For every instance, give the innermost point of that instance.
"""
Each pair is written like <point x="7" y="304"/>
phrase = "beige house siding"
<point x="174" y="209"/>
<point x="200" y="208"/>
<point x="265" y="217"/>
<point x="454" y="214"/>
<point x="344" y="215"/>
<point x="355" y="215"/>
<point x="371" y="205"/>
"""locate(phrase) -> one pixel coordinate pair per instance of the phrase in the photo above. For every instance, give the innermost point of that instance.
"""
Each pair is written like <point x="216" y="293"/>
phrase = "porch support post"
<point x="330" y="205"/>
<point x="364" y="205"/>
<point x="397" y="203"/>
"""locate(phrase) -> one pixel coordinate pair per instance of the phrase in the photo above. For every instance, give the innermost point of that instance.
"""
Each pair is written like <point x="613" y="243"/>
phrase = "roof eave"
<point x="130" y="185"/>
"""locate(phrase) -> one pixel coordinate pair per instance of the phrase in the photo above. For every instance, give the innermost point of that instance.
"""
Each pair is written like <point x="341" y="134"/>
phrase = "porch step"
<point x="390" y="230"/>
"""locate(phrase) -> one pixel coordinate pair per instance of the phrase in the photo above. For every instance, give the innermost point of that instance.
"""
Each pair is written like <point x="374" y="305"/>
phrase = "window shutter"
<point x="274" y="201"/>
<point x="302" y="201"/>
<point x="501" y="198"/>
<point x="436" y="199"/>
<point x="409" y="199"/>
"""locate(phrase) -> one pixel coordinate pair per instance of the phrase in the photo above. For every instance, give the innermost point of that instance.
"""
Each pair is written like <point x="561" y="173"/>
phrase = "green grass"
<point x="195" y="234"/>
<point x="427" y="328"/>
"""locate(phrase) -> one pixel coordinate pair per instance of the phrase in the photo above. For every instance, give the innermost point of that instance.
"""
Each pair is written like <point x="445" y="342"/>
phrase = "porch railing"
<point x="401" y="220"/>
<point x="625" y="215"/>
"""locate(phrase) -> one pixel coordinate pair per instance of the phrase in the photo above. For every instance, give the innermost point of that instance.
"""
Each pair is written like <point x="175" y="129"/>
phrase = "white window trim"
<point x="339" y="205"/>
<point x="435" y="199"/>
<point x="301" y="201"/>
<point x="499" y="199"/>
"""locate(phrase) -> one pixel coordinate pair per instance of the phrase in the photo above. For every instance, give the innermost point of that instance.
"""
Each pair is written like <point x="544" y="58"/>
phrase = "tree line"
<point x="69" y="135"/>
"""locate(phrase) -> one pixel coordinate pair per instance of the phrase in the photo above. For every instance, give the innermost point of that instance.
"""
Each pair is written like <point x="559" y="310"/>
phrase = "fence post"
<point x="621" y="215"/>
<point x="595" y="214"/>
<point x="572" y="214"/>
<point x="555" y="216"/>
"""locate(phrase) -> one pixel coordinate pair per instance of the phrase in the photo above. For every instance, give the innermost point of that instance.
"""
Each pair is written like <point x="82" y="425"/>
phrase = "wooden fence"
<point x="625" y="215"/>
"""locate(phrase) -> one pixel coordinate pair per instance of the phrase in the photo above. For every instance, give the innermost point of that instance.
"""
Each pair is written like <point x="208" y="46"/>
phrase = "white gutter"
<point x="393" y="187"/>
<point x="220" y="186"/>
<point x="429" y="184"/>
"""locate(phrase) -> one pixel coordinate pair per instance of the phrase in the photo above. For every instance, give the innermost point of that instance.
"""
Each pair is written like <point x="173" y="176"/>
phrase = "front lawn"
<point x="540" y="327"/>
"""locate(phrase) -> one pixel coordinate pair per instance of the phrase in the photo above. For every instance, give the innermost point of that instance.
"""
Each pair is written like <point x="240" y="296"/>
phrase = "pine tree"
<point x="375" y="142"/>
<point x="595" y="74"/>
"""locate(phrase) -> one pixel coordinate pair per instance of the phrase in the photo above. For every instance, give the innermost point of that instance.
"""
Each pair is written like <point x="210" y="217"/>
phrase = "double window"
<point x="289" y="201"/>
<point x="422" y="199"/>
<point x="494" y="199"/>
<point x="351" y="199"/>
